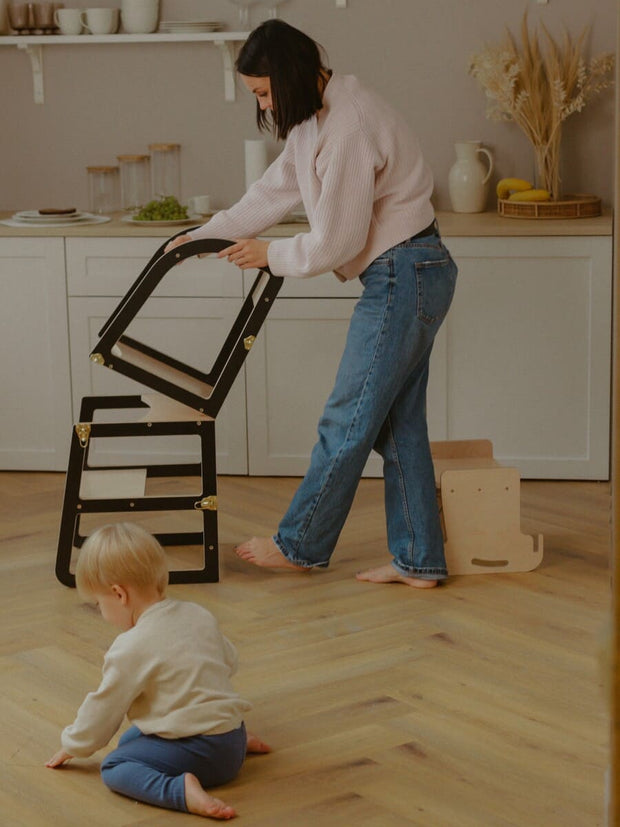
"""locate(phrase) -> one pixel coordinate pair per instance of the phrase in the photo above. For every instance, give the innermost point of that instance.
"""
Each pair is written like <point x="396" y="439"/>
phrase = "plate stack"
<point x="54" y="218"/>
<point x="190" y="26"/>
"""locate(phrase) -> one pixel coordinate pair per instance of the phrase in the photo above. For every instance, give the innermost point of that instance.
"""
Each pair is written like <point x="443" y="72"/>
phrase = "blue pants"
<point x="379" y="401"/>
<point x="151" y="769"/>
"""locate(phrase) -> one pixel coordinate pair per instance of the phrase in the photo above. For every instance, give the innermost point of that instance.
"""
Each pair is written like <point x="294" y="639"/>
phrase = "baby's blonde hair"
<point x="120" y="554"/>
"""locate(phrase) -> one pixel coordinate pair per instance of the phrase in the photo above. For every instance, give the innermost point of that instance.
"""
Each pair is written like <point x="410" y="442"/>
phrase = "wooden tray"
<point x="571" y="206"/>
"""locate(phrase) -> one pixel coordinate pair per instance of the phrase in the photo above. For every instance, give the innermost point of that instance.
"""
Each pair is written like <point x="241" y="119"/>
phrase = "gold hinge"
<point x="97" y="358"/>
<point x="207" y="504"/>
<point x="82" y="429"/>
<point x="248" y="342"/>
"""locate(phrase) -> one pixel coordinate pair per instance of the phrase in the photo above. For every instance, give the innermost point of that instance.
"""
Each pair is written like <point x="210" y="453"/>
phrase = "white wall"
<point x="105" y="100"/>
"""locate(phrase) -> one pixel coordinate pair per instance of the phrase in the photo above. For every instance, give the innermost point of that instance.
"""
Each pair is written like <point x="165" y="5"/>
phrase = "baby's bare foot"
<point x="200" y="803"/>
<point x="263" y="552"/>
<point x="388" y="574"/>
<point x="256" y="745"/>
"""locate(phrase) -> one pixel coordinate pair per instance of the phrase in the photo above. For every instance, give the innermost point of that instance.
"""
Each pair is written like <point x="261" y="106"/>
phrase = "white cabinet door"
<point x="290" y="374"/>
<point x="109" y="266"/>
<point x="527" y="360"/>
<point x="191" y="330"/>
<point x="35" y="409"/>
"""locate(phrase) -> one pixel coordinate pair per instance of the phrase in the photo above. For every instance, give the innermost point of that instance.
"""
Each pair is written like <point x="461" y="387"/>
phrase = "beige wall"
<point x="105" y="100"/>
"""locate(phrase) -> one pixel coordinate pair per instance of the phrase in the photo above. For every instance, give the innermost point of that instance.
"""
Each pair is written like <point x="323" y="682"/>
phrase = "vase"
<point x="468" y="177"/>
<point x="547" y="159"/>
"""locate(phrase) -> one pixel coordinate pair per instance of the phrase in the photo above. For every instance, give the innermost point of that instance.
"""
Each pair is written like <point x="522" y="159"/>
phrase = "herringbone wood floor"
<point x="478" y="704"/>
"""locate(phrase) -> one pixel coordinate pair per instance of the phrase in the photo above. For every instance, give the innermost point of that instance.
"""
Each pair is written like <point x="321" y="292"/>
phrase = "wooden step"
<point x="113" y="483"/>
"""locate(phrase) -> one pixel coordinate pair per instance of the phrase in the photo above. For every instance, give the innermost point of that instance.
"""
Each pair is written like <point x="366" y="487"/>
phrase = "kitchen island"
<point x="523" y="359"/>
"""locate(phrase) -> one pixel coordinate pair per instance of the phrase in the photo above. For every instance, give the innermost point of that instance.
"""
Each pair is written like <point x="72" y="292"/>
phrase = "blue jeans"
<point x="379" y="401"/>
<point x="151" y="769"/>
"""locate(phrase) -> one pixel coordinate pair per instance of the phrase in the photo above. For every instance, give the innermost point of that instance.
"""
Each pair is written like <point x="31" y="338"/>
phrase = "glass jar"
<point x="102" y="189"/>
<point x="165" y="170"/>
<point x="135" y="181"/>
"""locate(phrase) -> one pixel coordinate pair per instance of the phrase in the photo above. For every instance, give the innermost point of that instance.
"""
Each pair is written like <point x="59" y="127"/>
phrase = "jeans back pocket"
<point x="435" y="282"/>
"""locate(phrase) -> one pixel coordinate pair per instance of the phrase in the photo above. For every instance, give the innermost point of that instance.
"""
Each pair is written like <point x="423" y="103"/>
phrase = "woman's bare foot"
<point x="200" y="803"/>
<point x="388" y="574"/>
<point x="262" y="551"/>
<point x="256" y="745"/>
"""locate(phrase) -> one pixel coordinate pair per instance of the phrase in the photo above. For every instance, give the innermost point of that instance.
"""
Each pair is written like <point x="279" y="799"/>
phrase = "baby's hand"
<point x="58" y="759"/>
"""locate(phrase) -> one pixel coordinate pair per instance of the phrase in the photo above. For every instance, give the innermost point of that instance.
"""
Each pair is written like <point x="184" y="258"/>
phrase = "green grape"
<point x="164" y="209"/>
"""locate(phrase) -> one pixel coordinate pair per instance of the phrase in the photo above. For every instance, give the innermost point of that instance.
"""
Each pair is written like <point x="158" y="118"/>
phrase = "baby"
<point x="169" y="671"/>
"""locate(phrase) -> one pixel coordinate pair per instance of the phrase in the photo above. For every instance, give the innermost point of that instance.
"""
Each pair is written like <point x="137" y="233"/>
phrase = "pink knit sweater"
<point x="360" y="174"/>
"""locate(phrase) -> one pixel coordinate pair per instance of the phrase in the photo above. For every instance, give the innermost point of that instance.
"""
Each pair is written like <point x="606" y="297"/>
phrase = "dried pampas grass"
<point x="539" y="87"/>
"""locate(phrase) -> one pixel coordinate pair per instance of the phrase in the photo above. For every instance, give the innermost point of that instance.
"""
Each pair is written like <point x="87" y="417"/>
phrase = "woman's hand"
<point x="57" y="760"/>
<point x="176" y="242"/>
<point x="247" y="253"/>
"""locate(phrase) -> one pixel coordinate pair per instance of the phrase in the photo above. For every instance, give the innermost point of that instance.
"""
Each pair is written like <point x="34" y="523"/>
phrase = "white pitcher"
<point x="468" y="177"/>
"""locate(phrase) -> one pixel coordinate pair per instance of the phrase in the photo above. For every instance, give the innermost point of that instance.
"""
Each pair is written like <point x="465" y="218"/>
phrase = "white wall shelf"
<point x="33" y="45"/>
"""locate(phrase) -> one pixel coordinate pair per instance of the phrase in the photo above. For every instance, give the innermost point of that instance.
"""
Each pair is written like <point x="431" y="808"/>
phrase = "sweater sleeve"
<point x="341" y="220"/>
<point x="102" y="711"/>
<point x="265" y="203"/>
<point x="231" y="658"/>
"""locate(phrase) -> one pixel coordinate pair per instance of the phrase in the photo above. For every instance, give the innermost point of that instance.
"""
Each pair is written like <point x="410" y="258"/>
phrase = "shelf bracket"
<point x="35" y="53"/>
<point x="227" y="49"/>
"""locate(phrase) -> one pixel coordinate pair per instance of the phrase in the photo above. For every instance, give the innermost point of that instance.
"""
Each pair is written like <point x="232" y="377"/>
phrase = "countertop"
<point x="451" y="225"/>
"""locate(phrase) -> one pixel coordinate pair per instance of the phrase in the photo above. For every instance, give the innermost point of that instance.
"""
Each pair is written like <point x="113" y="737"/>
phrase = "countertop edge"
<point x="452" y="225"/>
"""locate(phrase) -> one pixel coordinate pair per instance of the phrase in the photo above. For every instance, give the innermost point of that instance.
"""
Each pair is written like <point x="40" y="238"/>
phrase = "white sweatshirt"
<point x="170" y="674"/>
<point x="360" y="174"/>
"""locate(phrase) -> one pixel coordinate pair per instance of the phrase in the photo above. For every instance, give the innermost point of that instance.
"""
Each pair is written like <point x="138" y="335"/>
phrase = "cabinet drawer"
<point x="109" y="266"/>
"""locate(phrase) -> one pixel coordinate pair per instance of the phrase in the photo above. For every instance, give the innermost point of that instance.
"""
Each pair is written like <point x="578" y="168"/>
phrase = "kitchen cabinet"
<point x="35" y="406"/>
<point x="526" y="352"/>
<point x="292" y="371"/>
<point x="523" y="358"/>
<point x="188" y="318"/>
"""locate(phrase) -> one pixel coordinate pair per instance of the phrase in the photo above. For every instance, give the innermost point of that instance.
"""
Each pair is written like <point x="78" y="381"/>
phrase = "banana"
<point x="530" y="195"/>
<point x="508" y="185"/>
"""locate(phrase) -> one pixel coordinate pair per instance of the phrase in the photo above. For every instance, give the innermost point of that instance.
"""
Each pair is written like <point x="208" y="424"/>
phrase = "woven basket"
<point x="571" y="206"/>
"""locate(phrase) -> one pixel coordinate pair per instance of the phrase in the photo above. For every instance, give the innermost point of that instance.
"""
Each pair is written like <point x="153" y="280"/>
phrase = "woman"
<point x="366" y="189"/>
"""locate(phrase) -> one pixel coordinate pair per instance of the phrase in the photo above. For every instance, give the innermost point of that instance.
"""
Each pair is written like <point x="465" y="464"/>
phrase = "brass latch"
<point x="207" y="504"/>
<point x="248" y="342"/>
<point x="97" y="358"/>
<point x="82" y="429"/>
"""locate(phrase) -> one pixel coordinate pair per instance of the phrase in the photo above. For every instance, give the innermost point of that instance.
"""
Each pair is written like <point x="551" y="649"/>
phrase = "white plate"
<point x="87" y="218"/>
<point x="188" y="26"/>
<point x="190" y="23"/>
<point x="129" y="219"/>
<point x="186" y="30"/>
<point x="34" y="217"/>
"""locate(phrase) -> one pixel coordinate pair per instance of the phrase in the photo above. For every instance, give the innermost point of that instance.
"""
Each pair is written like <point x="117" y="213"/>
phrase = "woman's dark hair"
<point x="292" y="62"/>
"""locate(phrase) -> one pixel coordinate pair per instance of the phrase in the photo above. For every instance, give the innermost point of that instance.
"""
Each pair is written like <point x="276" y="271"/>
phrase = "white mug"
<point x="140" y="16"/>
<point x="199" y="204"/>
<point x="100" y="21"/>
<point x="69" y="21"/>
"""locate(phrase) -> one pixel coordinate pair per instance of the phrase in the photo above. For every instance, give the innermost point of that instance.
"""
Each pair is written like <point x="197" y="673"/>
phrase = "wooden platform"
<point x="478" y="704"/>
<point x="480" y="505"/>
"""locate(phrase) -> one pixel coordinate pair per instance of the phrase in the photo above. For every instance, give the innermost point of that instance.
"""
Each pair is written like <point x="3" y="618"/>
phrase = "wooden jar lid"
<point x="134" y="158"/>
<point x="102" y="169"/>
